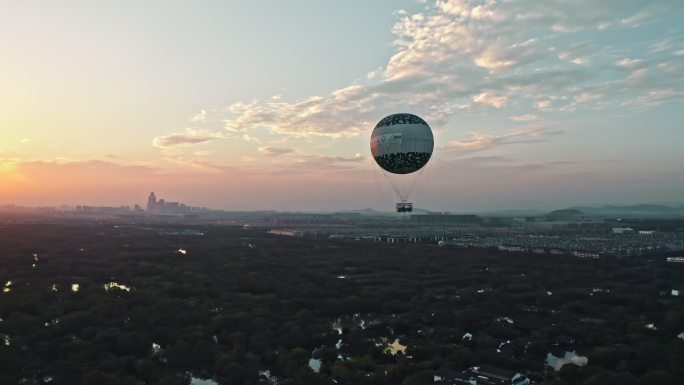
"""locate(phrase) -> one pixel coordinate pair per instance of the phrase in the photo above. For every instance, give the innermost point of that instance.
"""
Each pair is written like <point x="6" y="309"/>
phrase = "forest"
<point x="107" y="304"/>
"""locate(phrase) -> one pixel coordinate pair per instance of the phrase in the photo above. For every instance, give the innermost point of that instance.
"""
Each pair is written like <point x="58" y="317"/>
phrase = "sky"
<point x="270" y="104"/>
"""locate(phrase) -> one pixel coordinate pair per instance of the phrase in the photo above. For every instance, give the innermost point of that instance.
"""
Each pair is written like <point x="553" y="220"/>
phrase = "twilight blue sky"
<point x="249" y="105"/>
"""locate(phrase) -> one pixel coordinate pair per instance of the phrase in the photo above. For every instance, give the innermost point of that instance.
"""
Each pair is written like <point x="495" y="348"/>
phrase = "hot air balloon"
<point x="402" y="145"/>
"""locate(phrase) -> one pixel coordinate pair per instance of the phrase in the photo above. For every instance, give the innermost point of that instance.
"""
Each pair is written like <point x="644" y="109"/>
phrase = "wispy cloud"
<point x="630" y="64"/>
<point x="323" y="162"/>
<point x="503" y="162"/>
<point x="187" y="138"/>
<point x="275" y="151"/>
<point x="524" y="118"/>
<point x="201" y="117"/>
<point x="484" y="142"/>
<point x="473" y="57"/>
<point x="656" y="98"/>
<point x="577" y="53"/>
<point x="490" y="99"/>
<point x="457" y="51"/>
<point x="543" y="105"/>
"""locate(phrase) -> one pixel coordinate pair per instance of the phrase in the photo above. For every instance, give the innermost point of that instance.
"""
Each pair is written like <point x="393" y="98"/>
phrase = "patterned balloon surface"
<point x="402" y="143"/>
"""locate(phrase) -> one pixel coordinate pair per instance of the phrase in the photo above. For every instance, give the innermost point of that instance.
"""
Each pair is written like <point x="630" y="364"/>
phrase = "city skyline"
<point x="270" y="106"/>
<point x="157" y="205"/>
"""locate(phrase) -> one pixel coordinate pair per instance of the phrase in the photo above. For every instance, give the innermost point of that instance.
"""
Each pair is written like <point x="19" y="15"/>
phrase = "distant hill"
<point x="512" y="213"/>
<point x="643" y="210"/>
<point x="421" y="211"/>
<point x="365" y="211"/>
<point x="371" y="212"/>
<point x="627" y="211"/>
<point x="566" y="213"/>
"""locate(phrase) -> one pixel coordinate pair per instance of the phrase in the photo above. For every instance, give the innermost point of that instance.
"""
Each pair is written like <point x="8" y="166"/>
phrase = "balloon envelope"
<point x="402" y="143"/>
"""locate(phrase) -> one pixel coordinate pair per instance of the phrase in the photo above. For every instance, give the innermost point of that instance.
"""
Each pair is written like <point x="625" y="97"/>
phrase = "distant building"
<point x="286" y="232"/>
<point x="481" y="375"/>
<point x="622" y="230"/>
<point x="585" y="254"/>
<point x="511" y="248"/>
<point x="162" y="207"/>
<point x="102" y="210"/>
<point x="445" y="219"/>
<point x="497" y="221"/>
<point x="151" y="202"/>
<point x="301" y="219"/>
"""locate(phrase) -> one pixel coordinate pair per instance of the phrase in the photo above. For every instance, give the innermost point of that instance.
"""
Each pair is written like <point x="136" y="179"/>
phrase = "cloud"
<point x="324" y="162"/>
<point x="661" y="45"/>
<point x="673" y="68"/>
<point x="201" y="117"/>
<point x="492" y="100"/>
<point x="630" y="64"/>
<point x="493" y="60"/>
<point x="458" y="50"/>
<point x="635" y="20"/>
<point x="275" y="151"/>
<point x="650" y="14"/>
<point x="656" y="98"/>
<point x="250" y="138"/>
<point x="454" y="56"/>
<point x="8" y="164"/>
<point x="543" y="105"/>
<point x="187" y="138"/>
<point x="576" y="52"/>
<point x="584" y="97"/>
<point x="64" y="171"/>
<point x="560" y="28"/>
<point x="484" y="142"/>
<point x="524" y="118"/>
<point x="199" y="163"/>
<point x="503" y="162"/>
<point x="108" y="183"/>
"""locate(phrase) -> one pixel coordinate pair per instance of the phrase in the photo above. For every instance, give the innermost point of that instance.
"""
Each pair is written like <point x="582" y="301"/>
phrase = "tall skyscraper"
<point x="151" y="202"/>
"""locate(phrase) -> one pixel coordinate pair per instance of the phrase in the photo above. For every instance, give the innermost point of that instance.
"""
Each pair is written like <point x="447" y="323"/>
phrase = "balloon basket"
<point x="404" y="207"/>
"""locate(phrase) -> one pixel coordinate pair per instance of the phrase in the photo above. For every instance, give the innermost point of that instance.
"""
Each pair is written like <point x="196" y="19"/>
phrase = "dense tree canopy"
<point x="244" y="306"/>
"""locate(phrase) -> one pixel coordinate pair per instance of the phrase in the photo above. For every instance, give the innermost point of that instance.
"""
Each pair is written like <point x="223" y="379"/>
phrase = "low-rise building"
<point x="622" y="230"/>
<point x="481" y="375"/>
<point x="286" y="232"/>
